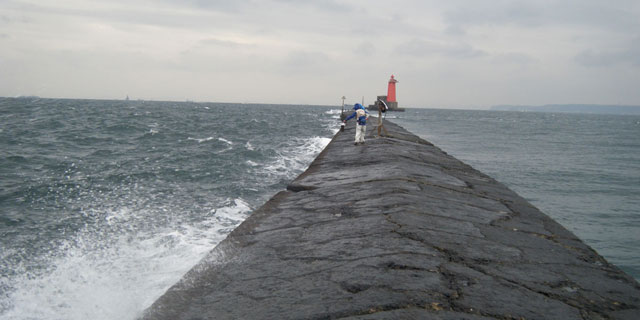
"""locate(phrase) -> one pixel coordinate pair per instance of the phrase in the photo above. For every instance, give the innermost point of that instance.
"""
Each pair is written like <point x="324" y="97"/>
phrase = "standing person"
<point x="382" y="108"/>
<point x="361" y="116"/>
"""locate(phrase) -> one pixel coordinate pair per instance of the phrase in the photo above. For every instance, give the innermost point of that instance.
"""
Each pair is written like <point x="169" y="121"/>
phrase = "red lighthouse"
<point x="391" y="91"/>
<point x="390" y="98"/>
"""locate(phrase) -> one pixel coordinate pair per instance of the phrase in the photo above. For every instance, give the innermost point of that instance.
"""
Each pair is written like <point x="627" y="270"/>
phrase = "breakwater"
<point x="396" y="228"/>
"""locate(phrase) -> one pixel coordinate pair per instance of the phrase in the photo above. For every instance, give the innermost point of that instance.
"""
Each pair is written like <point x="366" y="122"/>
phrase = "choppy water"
<point x="583" y="170"/>
<point x="105" y="204"/>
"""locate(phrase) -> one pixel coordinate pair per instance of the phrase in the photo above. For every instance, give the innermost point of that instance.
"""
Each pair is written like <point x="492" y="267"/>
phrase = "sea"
<point x="105" y="204"/>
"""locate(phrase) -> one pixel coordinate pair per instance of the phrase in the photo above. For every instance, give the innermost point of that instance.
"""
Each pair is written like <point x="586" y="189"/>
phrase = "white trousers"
<point x="360" y="132"/>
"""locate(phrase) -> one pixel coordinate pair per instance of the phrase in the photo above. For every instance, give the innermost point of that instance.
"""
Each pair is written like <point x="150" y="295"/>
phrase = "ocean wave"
<point x="121" y="266"/>
<point x="296" y="157"/>
<point x="232" y="214"/>
<point x="334" y="111"/>
<point x="200" y="140"/>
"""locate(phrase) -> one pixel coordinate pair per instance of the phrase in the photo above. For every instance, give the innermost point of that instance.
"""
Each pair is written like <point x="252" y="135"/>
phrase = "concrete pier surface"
<point x="398" y="229"/>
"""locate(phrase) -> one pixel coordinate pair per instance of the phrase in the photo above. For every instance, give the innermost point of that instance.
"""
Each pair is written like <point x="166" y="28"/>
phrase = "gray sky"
<point x="456" y="53"/>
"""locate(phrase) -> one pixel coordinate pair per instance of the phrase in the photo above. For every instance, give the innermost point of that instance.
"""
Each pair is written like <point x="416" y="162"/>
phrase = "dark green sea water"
<point x="105" y="204"/>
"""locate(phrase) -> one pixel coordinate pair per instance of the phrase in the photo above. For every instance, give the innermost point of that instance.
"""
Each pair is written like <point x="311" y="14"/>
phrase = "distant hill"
<point x="574" y="108"/>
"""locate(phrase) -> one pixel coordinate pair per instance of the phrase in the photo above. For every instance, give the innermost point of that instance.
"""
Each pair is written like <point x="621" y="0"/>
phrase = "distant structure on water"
<point x="390" y="98"/>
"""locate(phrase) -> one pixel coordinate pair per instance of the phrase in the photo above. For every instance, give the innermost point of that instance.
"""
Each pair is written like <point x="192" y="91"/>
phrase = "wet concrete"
<point x="398" y="229"/>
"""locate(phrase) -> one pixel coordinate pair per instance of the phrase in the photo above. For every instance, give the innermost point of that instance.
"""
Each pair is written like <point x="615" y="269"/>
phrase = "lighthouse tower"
<point x="390" y="98"/>
<point x="391" y="91"/>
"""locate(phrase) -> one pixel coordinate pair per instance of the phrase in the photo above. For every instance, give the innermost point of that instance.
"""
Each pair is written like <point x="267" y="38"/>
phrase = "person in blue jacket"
<point x="361" y="116"/>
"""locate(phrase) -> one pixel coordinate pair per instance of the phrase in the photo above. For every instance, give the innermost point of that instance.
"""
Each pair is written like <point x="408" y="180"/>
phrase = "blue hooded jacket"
<point x="362" y="120"/>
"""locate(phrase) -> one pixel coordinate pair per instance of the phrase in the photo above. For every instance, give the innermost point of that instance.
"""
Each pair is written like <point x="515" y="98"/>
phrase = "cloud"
<point x="626" y="53"/>
<point x="171" y="48"/>
<point x="325" y="5"/>
<point x="365" y="49"/>
<point x="608" y="58"/>
<point x="303" y="61"/>
<point x="214" y="42"/>
<point x="514" y="58"/>
<point x="422" y="48"/>
<point x="512" y="12"/>
<point x="213" y="5"/>
<point x="618" y="15"/>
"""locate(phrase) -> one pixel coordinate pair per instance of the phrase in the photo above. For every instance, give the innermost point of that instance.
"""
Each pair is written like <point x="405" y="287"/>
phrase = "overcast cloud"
<point x="459" y="53"/>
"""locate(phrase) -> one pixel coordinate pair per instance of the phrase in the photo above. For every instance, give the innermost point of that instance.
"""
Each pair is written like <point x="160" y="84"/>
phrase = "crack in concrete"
<point x="410" y="236"/>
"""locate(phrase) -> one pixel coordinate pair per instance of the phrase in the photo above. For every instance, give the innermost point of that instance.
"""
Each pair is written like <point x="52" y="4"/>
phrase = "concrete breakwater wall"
<point x="398" y="229"/>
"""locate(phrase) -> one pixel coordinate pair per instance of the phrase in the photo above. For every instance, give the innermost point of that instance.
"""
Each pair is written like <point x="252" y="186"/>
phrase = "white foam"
<point x="118" y="272"/>
<point x="334" y="111"/>
<point x="232" y="214"/>
<point x="225" y="141"/>
<point x="296" y="157"/>
<point x="201" y="140"/>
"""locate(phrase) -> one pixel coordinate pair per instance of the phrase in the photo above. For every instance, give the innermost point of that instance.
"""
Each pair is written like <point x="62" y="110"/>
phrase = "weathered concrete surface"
<point x="398" y="229"/>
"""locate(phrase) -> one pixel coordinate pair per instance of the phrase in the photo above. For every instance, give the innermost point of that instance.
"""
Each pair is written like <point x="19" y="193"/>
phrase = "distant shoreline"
<point x="573" y="108"/>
